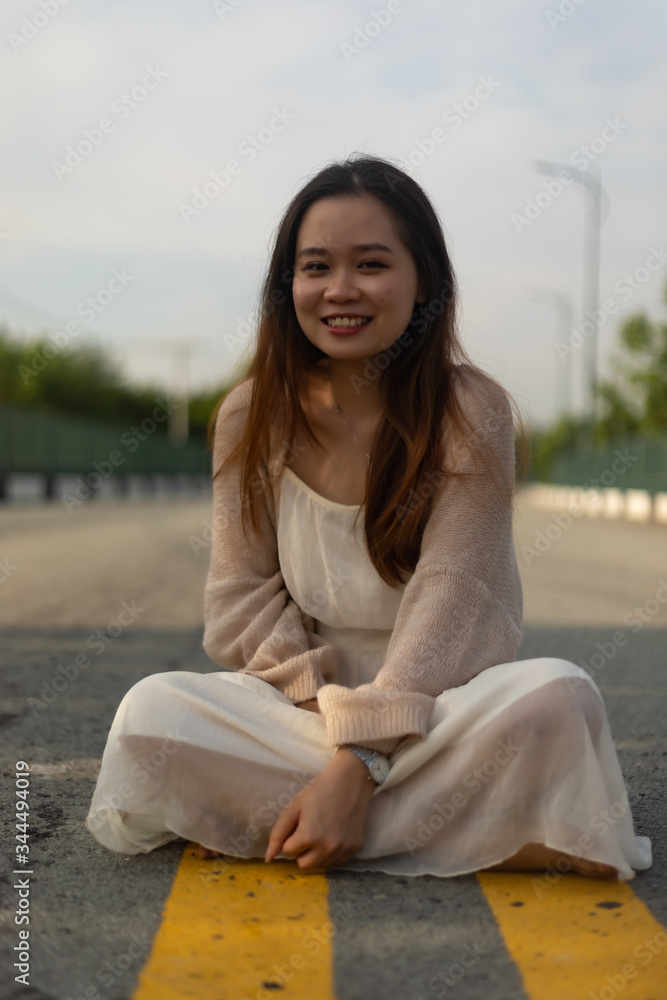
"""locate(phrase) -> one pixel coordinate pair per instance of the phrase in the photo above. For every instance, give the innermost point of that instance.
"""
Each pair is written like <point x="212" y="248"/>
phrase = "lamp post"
<point x="591" y="277"/>
<point x="179" y="352"/>
<point x="563" y="380"/>
<point x="14" y="305"/>
<point x="178" y="421"/>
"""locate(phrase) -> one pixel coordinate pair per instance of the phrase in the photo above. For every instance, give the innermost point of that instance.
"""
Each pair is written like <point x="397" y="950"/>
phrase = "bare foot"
<point x="206" y="853"/>
<point x="535" y="857"/>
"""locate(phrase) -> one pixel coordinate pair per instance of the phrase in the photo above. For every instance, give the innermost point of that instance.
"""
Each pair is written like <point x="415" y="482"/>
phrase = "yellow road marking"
<point x="578" y="938"/>
<point x="241" y="930"/>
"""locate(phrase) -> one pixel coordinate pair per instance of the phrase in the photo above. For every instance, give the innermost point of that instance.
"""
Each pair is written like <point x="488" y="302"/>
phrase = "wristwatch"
<point x="378" y="765"/>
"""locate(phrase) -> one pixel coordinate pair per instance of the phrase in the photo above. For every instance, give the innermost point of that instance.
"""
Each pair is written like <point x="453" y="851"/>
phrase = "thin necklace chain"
<point x="354" y="436"/>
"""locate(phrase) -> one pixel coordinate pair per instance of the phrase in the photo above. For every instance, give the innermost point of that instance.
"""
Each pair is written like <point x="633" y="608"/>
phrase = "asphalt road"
<point x="135" y="570"/>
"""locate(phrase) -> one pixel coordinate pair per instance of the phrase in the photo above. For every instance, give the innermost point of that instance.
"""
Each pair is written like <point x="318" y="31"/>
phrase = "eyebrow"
<point x="323" y="252"/>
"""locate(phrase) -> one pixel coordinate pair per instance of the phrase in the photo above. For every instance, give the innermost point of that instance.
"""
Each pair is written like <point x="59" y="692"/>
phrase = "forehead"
<point x="348" y="219"/>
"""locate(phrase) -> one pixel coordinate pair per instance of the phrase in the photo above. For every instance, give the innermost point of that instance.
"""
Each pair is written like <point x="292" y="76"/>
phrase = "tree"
<point x="636" y="401"/>
<point x="83" y="380"/>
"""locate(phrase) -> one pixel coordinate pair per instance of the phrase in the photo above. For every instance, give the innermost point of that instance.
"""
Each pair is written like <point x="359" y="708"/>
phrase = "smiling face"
<point x="355" y="283"/>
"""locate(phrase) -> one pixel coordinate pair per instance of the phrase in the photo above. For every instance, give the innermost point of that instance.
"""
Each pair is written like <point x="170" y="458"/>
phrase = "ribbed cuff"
<point x="301" y="687"/>
<point x="372" y="716"/>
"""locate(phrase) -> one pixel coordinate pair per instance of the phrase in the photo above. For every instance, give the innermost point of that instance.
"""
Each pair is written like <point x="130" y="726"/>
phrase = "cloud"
<point x="228" y="71"/>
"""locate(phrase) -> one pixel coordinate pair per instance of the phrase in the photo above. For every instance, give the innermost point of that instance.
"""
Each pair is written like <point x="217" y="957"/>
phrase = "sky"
<point x="115" y="114"/>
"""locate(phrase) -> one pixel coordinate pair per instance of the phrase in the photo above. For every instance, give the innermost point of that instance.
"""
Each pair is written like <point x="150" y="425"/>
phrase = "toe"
<point x="206" y="853"/>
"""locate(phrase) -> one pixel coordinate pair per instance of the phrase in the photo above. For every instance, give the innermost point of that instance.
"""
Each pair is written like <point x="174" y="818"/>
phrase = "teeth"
<point x="347" y="321"/>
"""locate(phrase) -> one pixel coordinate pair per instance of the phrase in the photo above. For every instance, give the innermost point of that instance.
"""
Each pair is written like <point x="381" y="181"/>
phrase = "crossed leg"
<point x="536" y="857"/>
<point x="531" y="858"/>
<point x="540" y="719"/>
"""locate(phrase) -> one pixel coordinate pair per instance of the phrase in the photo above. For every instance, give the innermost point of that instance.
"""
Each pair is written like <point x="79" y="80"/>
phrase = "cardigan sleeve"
<point x="251" y="623"/>
<point x="461" y="610"/>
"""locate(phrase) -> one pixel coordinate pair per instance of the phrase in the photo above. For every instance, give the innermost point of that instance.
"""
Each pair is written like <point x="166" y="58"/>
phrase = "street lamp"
<point x="179" y="350"/>
<point x="591" y="278"/>
<point x="178" y="421"/>
<point x="563" y="381"/>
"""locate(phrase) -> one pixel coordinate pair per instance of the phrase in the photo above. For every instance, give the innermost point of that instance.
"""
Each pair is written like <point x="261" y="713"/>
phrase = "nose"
<point x="342" y="286"/>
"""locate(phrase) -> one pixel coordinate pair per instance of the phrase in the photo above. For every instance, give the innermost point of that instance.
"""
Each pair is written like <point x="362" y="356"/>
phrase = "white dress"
<point x="520" y="754"/>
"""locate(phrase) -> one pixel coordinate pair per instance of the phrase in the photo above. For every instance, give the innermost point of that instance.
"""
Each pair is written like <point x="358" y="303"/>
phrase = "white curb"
<point x="614" y="504"/>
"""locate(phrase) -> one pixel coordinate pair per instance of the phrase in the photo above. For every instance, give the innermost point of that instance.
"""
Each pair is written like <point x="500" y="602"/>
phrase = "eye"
<point x="314" y="265"/>
<point x="372" y="263"/>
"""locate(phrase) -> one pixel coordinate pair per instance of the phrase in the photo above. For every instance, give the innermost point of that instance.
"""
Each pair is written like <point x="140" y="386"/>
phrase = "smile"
<point x="337" y="321"/>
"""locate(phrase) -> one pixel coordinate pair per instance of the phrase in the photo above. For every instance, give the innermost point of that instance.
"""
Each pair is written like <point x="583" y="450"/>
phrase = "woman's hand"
<point x="310" y="706"/>
<point x="324" y="824"/>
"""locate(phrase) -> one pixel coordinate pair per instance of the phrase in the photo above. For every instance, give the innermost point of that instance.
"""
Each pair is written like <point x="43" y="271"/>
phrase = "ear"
<point x="421" y="291"/>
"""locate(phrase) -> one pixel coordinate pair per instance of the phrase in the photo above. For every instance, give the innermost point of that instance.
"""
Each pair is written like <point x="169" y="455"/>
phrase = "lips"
<point x="346" y="322"/>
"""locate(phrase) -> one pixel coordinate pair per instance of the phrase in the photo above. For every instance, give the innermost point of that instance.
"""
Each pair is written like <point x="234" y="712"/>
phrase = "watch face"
<point x="379" y="769"/>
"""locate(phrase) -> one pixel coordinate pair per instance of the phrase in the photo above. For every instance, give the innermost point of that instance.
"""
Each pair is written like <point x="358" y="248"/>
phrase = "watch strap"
<point x="368" y="756"/>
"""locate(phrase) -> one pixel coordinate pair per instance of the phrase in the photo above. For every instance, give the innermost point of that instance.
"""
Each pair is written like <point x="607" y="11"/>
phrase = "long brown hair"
<point x="414" y="380"/>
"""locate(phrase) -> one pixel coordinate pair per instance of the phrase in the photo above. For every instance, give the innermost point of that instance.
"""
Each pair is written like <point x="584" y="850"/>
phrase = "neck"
<point x="357" y="395"/>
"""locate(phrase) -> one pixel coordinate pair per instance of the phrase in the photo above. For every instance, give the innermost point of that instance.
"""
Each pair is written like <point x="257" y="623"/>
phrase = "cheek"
<point x="393" y="294"/>
<point x="303" y="296"/>
<point x="384" y="293"/>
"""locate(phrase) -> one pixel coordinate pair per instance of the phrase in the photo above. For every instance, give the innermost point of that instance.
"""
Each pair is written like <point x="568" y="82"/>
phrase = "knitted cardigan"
<point x="460" y="612"/>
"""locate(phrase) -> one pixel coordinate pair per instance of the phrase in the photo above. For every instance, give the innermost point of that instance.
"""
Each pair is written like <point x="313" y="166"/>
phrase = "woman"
<point x="363" y="587"/>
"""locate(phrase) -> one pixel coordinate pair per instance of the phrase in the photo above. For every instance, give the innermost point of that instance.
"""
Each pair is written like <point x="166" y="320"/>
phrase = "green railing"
<point x="36" y="442"/>
<point x="627" y="464"/>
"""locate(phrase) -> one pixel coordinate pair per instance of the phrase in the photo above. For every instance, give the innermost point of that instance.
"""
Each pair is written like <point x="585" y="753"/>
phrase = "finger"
<point x="296" y="843"/>
<point x="283" y="827"/>
<point x="319" y="857"/>
<point x="311" y="860"/>
<point x="277" y="840"/>
<point x="312" y="854"/>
